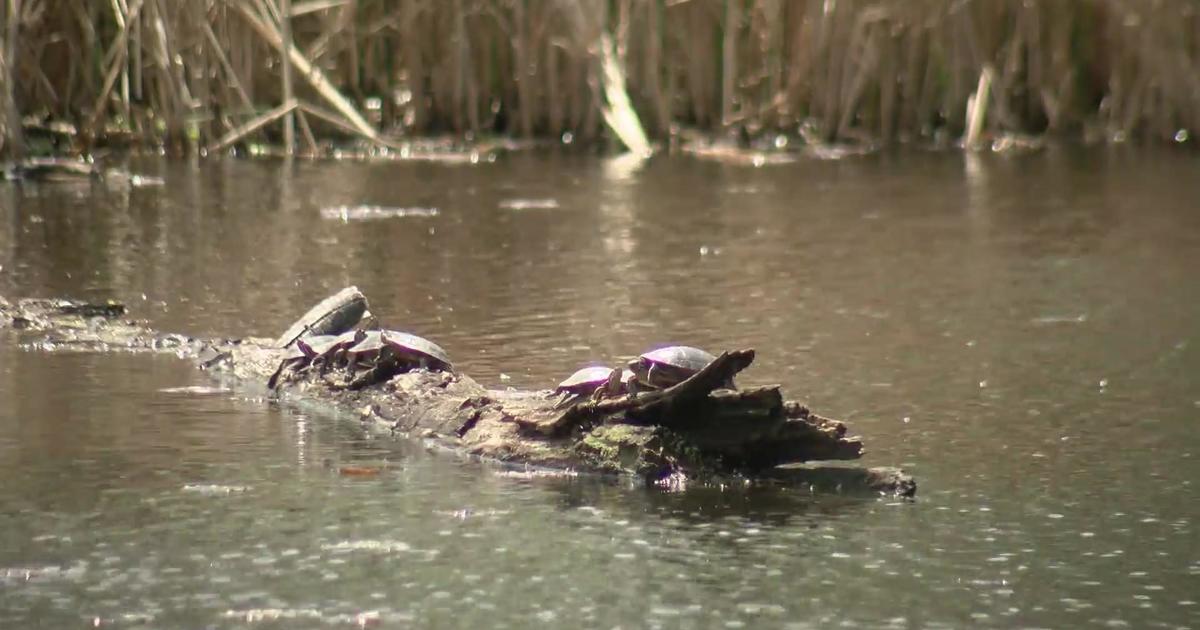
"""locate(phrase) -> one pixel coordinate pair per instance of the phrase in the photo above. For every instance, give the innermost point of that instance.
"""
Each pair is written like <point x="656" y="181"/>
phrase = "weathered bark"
<point x="692" y="431"/>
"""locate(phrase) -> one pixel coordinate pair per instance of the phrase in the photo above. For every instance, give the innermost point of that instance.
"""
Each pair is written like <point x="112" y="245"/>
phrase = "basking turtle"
<point x="626" y="376"/>
<point x="293" y="357"/>
<point x="389" y="352"/>
<point x="588" y="381"/>
<point x="324" y="350"/>
<point x="334" y="315"/>
<point x="669" y="366"/>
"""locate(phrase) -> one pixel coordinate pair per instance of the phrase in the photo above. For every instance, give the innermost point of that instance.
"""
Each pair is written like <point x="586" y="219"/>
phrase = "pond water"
<point x="1020" y="333"/>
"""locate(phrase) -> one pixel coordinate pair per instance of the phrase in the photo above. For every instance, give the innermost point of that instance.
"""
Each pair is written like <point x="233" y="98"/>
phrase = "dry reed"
<point x="196" y="73"/>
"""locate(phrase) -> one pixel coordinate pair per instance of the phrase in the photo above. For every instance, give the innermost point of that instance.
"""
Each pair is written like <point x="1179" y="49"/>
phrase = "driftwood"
<point x="50" y="169"/>
<point x="692" y="431"/>
<point x="72" y="171"/>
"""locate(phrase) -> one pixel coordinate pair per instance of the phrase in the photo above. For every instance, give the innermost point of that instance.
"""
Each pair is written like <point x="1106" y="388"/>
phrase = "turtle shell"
<point x="315" y="345"/>
<point x="371" y="341"/>
<point x="665" y="367"/>
<point x="682" y="357"/>
<point x="593" y="376"/>
<point x="333" y="315"/>
<point x="320" y="345"/>
<point x="293" y="353"/>
<point x="411" y="343"/>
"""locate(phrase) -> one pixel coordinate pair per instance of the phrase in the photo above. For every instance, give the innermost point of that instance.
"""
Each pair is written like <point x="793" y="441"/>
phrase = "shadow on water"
<point x="700" y="505"/>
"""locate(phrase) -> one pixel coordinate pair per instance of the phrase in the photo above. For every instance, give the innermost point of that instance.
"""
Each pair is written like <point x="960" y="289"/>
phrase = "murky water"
<point x="1022" y="334"/>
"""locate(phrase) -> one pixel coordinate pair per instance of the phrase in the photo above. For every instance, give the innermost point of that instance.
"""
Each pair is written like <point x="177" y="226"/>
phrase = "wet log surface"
<point x="691" y="432"/>
<point x="50" y="169"/>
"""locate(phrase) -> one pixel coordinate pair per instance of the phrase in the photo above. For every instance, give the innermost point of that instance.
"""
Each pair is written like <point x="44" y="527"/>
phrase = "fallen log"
<point x="693" y="431"/>
<point x="50" y="169"/>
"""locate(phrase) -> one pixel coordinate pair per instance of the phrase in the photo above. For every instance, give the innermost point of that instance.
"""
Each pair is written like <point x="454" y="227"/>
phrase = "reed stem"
<point x="845" y="71"/>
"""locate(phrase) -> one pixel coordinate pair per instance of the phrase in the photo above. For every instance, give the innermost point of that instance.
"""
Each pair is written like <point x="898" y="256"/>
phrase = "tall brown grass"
<point x="188" y="73"/>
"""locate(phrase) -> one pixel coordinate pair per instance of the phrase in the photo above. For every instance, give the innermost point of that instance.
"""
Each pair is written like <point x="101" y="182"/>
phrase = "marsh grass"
<point x="190" y="74"/>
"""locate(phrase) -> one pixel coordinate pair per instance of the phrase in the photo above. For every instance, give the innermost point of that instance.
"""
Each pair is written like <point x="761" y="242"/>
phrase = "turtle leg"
<point x="273" y="382"/>
<point x="652" y="373"/>
<point x="301" y="368"/>
<point x="362" y="380"/>
<point x="611" y="387"/>
<point x="565" y="399"/>
<point x="368" y="378"/>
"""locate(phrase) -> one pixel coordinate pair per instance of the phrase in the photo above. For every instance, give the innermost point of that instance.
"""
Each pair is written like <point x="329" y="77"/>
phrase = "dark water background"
<point x="1020" y="333"/>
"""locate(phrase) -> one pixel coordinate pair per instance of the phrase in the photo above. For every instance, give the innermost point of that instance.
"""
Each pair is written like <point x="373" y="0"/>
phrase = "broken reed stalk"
<point x="619" y="112"/>
<point x="977" y="106"/>
<point x="115" y="59"/>
<point x="289" y="119"/>
<point x="258" y="122"/>
<point x="729" y="61"/>
<point x="329" y="118"/>
<point x="120" y="10"/>
<point x="231" y="74"/>
<point x="853" y="70"/>
<point x="10" y="118"/>
<point x="310" y="140"/>
<point x="315" y="77"/>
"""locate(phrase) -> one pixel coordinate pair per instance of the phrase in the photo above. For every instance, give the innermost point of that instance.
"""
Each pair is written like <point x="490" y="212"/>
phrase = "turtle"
<point x="323" y="349"/>
<point x="293" y="357"/>
<point x="398" y="350"/>
<point x="329" y="350"/>
<point x="625" y="382"/>
<point x="668" y="366"/>
<point x="334" y="315"/>
<point x="588" y="381"/>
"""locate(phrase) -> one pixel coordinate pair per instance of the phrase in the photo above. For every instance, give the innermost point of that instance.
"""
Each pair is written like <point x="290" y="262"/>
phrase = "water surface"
<point x="1022" y="334"/>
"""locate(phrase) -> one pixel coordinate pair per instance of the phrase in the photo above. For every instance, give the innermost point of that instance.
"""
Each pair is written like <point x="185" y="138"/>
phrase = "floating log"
<point x="50" y="169"/>
<point x="693" y="431"/>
